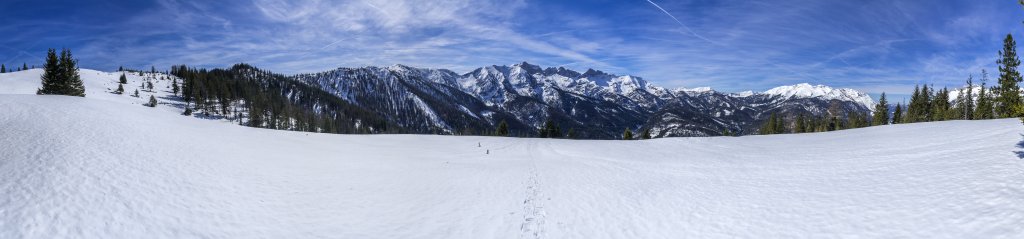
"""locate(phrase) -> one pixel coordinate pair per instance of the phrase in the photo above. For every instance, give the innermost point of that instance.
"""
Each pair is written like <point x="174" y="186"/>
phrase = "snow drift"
<point x="81" y="167"/>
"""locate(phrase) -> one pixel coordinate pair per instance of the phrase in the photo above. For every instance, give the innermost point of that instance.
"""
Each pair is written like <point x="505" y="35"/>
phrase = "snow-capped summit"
<point x="697" y="90"/>
<point x="743" y="93"/>
<point x="804" y="90"/>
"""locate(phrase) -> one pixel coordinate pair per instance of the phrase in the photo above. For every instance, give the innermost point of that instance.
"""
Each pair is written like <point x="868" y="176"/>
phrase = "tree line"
<point x="927" y="104"/>
<point x="258" y="98"/>
<point x="24" y="66"/>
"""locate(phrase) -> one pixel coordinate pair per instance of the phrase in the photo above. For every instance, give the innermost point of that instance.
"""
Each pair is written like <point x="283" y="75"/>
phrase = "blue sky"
<point x="730" y="45"/>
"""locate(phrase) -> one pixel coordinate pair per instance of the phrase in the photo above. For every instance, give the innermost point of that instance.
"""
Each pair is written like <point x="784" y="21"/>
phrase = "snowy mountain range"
<point x="593" y="103"/>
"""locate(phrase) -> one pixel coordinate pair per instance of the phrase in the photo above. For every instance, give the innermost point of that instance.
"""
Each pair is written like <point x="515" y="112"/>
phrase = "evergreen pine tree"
<point x="800" y="124"/>
<point x="983" y="109"/>
<point x="123" y="79"/>
<point x="1008" y="92"/>
<point x="24" y="66"/>
<point x="174" y="86"/>
<point x="136" y="94"/>
<point x="915" y="98"/>
<point x="120" y="68"/>
<point x="940" y="105"/>
<point x="152" y="101"/>
<point x="120" y="89"/>
<point x="502" y="129"/>
<point x="3" y="68"/>
<point x="897" y="114"/>
<point x="967" y="99"/>
<point x="646" y="134"/>
<point x="627" y="135"/>
<point x="73" y="85"/>
<point x="925" y="104"/>
<point x="52" y="81"/>
<point x="881" y="116"/>
<point x="769" y="126"/>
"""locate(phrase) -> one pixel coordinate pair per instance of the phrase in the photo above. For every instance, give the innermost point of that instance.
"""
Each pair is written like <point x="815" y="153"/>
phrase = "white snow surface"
<point x="97" y="167"/>
<point x="804" y="90"/>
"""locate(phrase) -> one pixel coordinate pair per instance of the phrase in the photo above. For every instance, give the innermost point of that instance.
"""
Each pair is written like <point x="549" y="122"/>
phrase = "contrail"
<point x="688" y="29"/>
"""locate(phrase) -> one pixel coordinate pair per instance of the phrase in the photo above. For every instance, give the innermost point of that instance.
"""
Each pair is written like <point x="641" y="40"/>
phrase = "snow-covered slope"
<point x="100" y="85"/>
<point x="804" y="90"/>
<point x="75" y="167"/>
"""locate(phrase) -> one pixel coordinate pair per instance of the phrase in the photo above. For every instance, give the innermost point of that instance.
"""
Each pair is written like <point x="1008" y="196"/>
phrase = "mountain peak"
<point x="805" y="90"/>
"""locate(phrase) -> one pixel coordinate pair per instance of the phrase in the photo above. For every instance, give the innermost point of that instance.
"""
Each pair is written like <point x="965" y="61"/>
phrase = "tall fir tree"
<point x="60" y="76"/>
<point x="925" y="104"/>
<point x="1007" y="92"/>
<point x="120" y="89"/>
<point x="940" y="105"/>
<point x="52" y="81"/>
<point x="502" y="129"/>
<point x="627" y="135"/>
<point x="174" y="86"/>
<point x="780" y="125"/>
<point x="3" y="68"/>
<point x="983" y="108"/>
<point x="800" y="124"/>
<point x="881" y="114"/>
<point x="152" y="101"/>
<point x="897" y="114"/>
<point x="967" y="99"/>
<point x="123" y="79"/>
<point x="646" y="134"/>
<point x="769" y="126"/>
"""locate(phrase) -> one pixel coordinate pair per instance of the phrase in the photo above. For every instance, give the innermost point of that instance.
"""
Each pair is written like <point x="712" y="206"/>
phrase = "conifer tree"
<point x="897" y="114"/>
<point x="502" y="129"/>
<point x="174" y="86"/>
<point x="51" y="75"/>
<point x="60" y="75"/>
<point x="800" y="124"/>
<point x="120" y="89"/>
<point x="120" y="68"/>
<point x="123" y="79"/>
<point x="69" y="71"/>
<point x="780" y="125"/>
<point x="1008" y="92"/>
<point x="627" y="135"/>
<point x="769" y="126"/>
<point x="136" y="94"/>
<point x="3" y="68"/>
<point x="925" y="104"/>
<point x="984" y="109"/>
<point x="646" y="134"/>
<point x="940" y="106"/>
<point x="24" y="66"/>
<point x="881" y="116"/>
<point x="967" y="100"/>
<point x="152" y="101"/>
<point x="571" y="134"/>
<point x="915" y="98"/>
